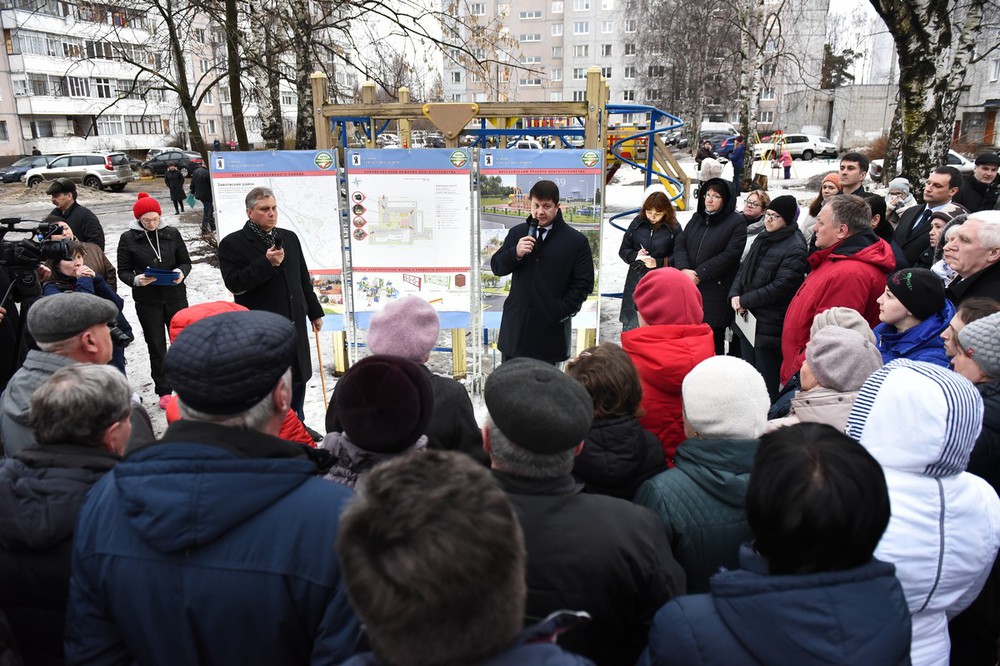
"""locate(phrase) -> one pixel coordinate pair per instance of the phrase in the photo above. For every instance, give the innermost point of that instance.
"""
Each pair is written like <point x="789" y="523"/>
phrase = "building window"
<point x="579" y="73"/>
<point x="199" y="35"/>
<point x="771" y="45"/>
<point x="287" y="99"/>
<point x="99" y="50"/>
<point x="630" y="72"/>
<point x="581" y="51"/>
<point x="581" y="28"/>
<point x="41" y="129"/>
<point x="557" y="7"/>
<point x="77" y="87"/>
<point x="477" y="9"/>
<point x="767" y="93"/>
<point x="530" y="83"/>
<point x="630" y="49"/>
<point x="766" y="117"/>
<point x="769" y="69"/>
<point x="209" y="98"/>
<point x="995" y="70"/>
<point x="652" y="95"/>
<point x="581" y="5"/>
<point x="607" y="27"/>
<point x="110" y="125"/>
<point x="656" y="71"/>
<point x="456" y="77"/>
<point x="557" y="29"/>
<point x="536" y="37"/>
<point x="532" y="60"/>
<point x="531" y="15"/>
<point x="631" y="25"/>
<point x="4" y="136"/>
<point x="628" y="95"/>
<point x="579" y="95"/>
<point x="555" y="75"/>
<point x="606" y="72"/>
<point x="73" y="48"/>
<point x="142" y="125"/>
<point x="211" y="126"/>
<point x="555" y="96"/>
<point x="456" y="97"/>
<point x="605" y="50"/>
<point x="557" y="52"/>
<point x="607" y="5"/>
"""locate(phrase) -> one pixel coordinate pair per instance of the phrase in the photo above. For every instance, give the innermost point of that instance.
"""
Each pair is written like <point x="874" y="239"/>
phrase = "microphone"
<point x="277" y="241"/>
<point x="533" y="228"/>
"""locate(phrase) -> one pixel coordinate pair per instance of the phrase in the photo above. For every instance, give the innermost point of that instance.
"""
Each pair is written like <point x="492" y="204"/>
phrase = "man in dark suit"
<point x="264" y="268"/>
<point x="552" y="270"/>
<point x="914" y="228"/>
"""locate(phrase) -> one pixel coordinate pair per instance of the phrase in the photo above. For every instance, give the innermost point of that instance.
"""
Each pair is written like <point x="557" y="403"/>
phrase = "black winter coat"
<point x="976" y="195"/>
<point x="984" y="283"/>
<point x="617" y="456"/>
<point x="85" y="225"/>
<point x="659" y="242"/>
<point x="286" y="289"/>
<point x="175" y="182"/>
<point x="453" y="425"/>
<point x="712" y="245"/>
<point x="548" y="286"/>
<point x="41" y="492"/>
<point x="201" y="184"/>
<point x="768" y="278"/>
<point x="985" y="459"/>
<point x="137" y="251"/>
<point x="595" y="553"/>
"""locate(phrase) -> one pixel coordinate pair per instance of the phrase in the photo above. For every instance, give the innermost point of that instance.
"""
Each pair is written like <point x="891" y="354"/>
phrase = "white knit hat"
<point x="725" y="398"/>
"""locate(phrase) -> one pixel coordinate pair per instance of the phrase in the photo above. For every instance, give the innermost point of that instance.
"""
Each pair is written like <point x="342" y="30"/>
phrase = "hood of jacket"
<point x="866" y="247"/>
<point x="823" y="405"/>
<point x="728" y="200"/>
<point x="181" y="495"/>
<point x="926" y="334"/>
<point x="857" y="616"/>
<point x="664" y="354"/>
<point x="720" y="467"/>
<point x="935" y="411"/>
<point x="351" y="463"/>
<point x="617" y="452"/>
<point x="41" y="491"/>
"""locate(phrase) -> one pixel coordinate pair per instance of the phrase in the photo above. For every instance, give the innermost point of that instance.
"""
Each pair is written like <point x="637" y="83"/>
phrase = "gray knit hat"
<point x="61" y="316"/>
<point x="900" y="184"/>
<point x="981" y="342"/>
<point x="844" y="318"/>
<point x="842" y="359"/>
<point x="725" y="398"/>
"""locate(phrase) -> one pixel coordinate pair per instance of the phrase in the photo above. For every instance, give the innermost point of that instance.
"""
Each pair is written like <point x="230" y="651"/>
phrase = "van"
<point x="709" y="127"/>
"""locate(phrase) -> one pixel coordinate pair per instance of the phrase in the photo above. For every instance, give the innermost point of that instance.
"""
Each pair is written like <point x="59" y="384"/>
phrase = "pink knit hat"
<point x="408" y="327"/>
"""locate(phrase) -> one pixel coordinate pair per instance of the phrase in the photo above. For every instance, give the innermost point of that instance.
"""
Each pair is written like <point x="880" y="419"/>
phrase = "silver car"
<point x="98" y="170"/>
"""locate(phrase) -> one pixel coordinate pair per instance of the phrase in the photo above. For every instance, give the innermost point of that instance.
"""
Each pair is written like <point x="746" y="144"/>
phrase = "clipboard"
<point x="164" y="278"/>
<point x="747" y="324"/>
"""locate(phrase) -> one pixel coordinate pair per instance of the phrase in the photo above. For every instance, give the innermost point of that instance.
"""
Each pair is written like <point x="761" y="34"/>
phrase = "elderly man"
<point x="592" y="553"/>
<point x="981" y="188"/>
<point x="974" y="253"/>
<point x="421" y="503"/>
<point x="81" y="421"/>
<point x="215" y="545"/>
<point x="914" y="228"/>
<point x="264" y="268"/>
<point x="85" y="225"/>
<point x="69" y="328"/>
<point x="848" y="270"/>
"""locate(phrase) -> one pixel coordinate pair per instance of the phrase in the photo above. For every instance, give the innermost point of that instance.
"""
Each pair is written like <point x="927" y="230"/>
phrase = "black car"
<point x="186" y="162"/>
<point x="13" y="173"/>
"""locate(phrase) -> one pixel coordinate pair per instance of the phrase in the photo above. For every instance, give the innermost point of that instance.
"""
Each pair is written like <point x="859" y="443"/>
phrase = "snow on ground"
<point x="205" y="283"/>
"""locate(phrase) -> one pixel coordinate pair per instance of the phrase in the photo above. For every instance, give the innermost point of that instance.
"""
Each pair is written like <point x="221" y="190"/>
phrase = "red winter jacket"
<point x="851" y="274"/>
<point x="664" y="355"/>
<point x="292" y="429"/>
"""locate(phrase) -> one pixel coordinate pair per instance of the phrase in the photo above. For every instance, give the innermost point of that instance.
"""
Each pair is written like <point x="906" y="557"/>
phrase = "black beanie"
<point x="919" y="289"/>
<point x="787" y="207"/>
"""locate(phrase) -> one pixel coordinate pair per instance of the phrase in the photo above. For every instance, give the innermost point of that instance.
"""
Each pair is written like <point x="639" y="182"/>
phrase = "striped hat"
<point x="917" y="417"/>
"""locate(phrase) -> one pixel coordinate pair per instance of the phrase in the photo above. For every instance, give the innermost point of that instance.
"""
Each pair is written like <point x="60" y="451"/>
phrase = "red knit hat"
<point x="145" y="204"/>
<point x="667" y="296"/>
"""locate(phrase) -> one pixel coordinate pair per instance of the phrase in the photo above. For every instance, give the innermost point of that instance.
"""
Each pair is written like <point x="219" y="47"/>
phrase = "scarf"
<point x="266" y="236"/>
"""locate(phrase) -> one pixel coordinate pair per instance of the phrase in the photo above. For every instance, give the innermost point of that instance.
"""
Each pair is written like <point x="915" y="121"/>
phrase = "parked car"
<point x="957" y="160"/>
<point x="97" y="170"/>
<point x="15" y="171"/>
<point x="386" y="137"/>
<point x="525" y="144"/>
<point x="589" y="210"/>
<point x="805" y="146"/>
<point x="186" y="162"/>
<point x="726" y="146"/>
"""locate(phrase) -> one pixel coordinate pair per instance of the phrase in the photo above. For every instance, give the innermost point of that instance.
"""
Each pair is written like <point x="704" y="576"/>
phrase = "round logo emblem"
<point x="590" y="158"/>
<point x="323" y="160"/>
<point x="459" y="159"/>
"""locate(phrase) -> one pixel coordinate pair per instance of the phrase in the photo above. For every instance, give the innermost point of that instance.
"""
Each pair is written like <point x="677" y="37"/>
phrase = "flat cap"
<point x="61" y="316"/>
<point x="227" y="363"/>
<point x="992" y="159"/>
<point x="60" y="185"/>
<point x="538" y="407"/>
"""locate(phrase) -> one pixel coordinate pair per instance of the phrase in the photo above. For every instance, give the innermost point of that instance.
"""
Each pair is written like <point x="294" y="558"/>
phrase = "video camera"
<point x="28" y="253"/>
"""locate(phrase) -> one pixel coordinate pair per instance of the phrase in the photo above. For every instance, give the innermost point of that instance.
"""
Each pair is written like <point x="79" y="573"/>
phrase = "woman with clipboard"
<point x="153" y="259"/>
<point x="768" y="278"/>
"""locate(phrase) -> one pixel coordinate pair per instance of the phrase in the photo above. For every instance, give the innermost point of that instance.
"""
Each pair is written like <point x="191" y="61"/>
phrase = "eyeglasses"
<point x="772" y="216"/>
<point x="752" y="204"/>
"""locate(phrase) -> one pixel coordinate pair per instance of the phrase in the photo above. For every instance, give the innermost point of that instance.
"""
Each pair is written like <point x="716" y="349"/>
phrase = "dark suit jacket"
<point x="285" y="289"/>
<point x="913" y="241"/>
<point x="984" y="283"/>
<point x="547" y="288"/>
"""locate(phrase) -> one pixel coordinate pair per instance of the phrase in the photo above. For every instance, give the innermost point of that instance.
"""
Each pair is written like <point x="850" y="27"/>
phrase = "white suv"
<point x="806" y="146"/>
<point x="97" y="170"/>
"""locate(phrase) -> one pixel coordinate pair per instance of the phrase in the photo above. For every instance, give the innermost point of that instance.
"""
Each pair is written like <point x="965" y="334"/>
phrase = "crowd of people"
<point x="793" y="456"/>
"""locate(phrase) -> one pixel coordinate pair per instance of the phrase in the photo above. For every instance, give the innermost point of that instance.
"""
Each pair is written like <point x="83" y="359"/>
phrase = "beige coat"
<point x="818" y="405"/>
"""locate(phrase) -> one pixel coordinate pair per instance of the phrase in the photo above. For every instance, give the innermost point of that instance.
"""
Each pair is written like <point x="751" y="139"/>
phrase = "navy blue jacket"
<point x="213" y="546"/>
<point x="921" y="343"/>
<point x="857" y="616"/>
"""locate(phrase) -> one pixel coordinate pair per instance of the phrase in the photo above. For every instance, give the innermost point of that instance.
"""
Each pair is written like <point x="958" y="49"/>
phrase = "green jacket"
<point x="701" y="504"/>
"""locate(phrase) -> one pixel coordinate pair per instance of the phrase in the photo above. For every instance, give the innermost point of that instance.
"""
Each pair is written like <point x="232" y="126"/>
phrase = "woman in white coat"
<point x="920" y="422"/>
